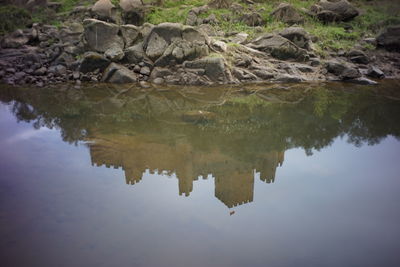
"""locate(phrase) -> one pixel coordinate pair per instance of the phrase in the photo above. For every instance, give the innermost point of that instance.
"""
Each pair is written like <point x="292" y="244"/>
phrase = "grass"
<point x="12" y="18"/>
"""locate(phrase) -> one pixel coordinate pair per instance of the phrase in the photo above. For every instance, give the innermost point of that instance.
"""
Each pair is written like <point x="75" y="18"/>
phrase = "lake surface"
<point x="262" y="175"/>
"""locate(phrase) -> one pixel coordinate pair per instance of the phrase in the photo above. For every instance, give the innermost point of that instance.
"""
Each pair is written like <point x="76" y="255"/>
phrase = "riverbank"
<point x="117" y="44"/>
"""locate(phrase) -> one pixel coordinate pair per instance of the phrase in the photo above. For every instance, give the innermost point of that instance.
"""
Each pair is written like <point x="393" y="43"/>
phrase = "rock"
<point x="340" y="10"/>
<point x="298" y="36"/>
<point x="214" y="68"/>
<point x="304" y="68"/>
<point x="389" y="39"/>
<point x="100" y="36"/>
<point x="191" y="19"/>
<point x="133" y="11"/>
<point x="180" y="51"/>
<point x="145" y="71"/>
<point x="287" y="78"/>
<point x="130" y="34"/>
<point x="158" y="72"/>
<point x="279" y="47"/>
<point x="362" y="81"/>
<point x="375" y="72"/>
<point x="41" y="71"/>
<point x="219" y="46"/>
<point x="114" y="53"/>
<point x="144" y="84"/>
<point x="211" y="19"/>
<point x="104" y="10"/>
<point x="58" y="70"/>
<point x="76" y="75"/>
<point x="160" y="37"/>
<point x="343" y="70"/>
<point x="264" y="74"/>
<point x="287" y="14"/>
<point x="163" y="35"/>
<point x="239" y="38"/>
<point x="135" y="54"/>
<point x="115" y="73"/>
<point x="15" y="40"/>
<point x="252" y="19"/>
<point x="158" y="81"/>
<point x="92" y="61"/>
<point x="358" y="56"/>
<point x="243" y="75"/>
<point x="198" y="116"/>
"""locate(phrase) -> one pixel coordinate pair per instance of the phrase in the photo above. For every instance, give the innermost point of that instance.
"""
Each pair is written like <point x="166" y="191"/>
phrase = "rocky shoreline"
<point x="92" y="46"/>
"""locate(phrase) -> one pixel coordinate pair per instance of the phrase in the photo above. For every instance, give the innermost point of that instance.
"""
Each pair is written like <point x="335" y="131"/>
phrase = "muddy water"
<point x="262" y="175"/>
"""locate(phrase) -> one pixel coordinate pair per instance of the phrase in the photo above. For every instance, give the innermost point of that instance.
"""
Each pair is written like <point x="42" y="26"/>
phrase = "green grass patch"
<point x="12" y="18"/>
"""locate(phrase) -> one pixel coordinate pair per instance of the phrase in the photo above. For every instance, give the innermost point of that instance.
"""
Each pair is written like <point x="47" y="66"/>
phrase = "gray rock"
<point x="158" y="81"/>
<point x="92" y="61"/>
<point x="264" y="74"/>
<point x="287" y="78"/>
<point x="214" y="68"/>
<point x="135" y="54"/>
<point x="180" y="51"/>
<point x="389" y="39"/>
<point x="58" y="70"/>
<point x="375" y="72"/>
<point x="115" y="73"/>
<point x="279" y="47"/>
<point x="41" y="71"/>
<point x="298" y="36"/>
<point x="219" y="46"/>
<point x="114" y="53"/>
<point x="133" y="11"/>
<point x="158" y="72"/>
<point x="104" y="10"/>
<point x="130" y="34"/>
<point x="340" y="10"/>
<point x="252" y="19"/>
<point x="239" y="38"/>
<point x="100" y="36"/>
<point x="160" y="37"/>
<point x="358" y="56"/>
<point x="287" y="14"/>
<point x="342" y="69"/>
<point x="15" y="40"/>
<point x="145" y="71"/>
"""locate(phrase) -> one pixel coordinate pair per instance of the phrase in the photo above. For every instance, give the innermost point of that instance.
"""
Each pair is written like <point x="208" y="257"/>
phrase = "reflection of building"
<point x="234" y="179"/>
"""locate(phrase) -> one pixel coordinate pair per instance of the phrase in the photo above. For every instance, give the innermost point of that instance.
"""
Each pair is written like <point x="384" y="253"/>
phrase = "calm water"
<point x="273" y="175"/>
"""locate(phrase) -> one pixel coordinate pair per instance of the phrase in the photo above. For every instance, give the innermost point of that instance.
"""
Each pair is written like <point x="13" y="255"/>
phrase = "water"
<point x="273" y="175"/>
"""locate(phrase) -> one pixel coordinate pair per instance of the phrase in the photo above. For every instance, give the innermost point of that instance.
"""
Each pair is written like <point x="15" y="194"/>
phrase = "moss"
<point x="12" y="18"/>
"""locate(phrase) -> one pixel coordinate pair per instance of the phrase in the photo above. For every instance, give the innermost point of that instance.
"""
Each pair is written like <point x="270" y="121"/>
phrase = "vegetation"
<point x="12" y="17"/>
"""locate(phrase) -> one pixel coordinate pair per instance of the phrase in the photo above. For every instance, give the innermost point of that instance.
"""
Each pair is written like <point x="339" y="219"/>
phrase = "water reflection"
<point x="232" y="134"/>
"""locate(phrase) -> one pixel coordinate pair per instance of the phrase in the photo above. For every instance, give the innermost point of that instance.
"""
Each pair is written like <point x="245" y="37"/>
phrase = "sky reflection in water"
<point x="334" y="207"/>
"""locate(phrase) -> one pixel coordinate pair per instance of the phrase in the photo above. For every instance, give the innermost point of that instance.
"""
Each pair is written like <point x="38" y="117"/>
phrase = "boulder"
<point x="160" y="37"/>
<point x="239" y="38"/>
<point x="135" y="54"/>
<point x="114" y="53"/>
<point x="130" y="34"/>
<point x="116" y="73"/>
<point x="298" y="36"/>
<point x="287" y="14"/>
<point x="92" y="61"/>
<point x="343" y="70"/>
<point x="180" y="51"/>
<point x="15" y="40"/>
<point x="164" y="34"/>
<point x="104" y="10"/>
<point x="331" y="11"/>
<point x="252" y="19"/>
<point x="214" y="68"/>
<point x="287" y="78"/>
<point x="358" y="56"/>
<point x="389" y="39"/>
<point x="279" y="47"/>
<point x="375" y="72"/>
<point x="132" y="11"/>
<point x="219" y="46"/>
<point x="100" y="36"/>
